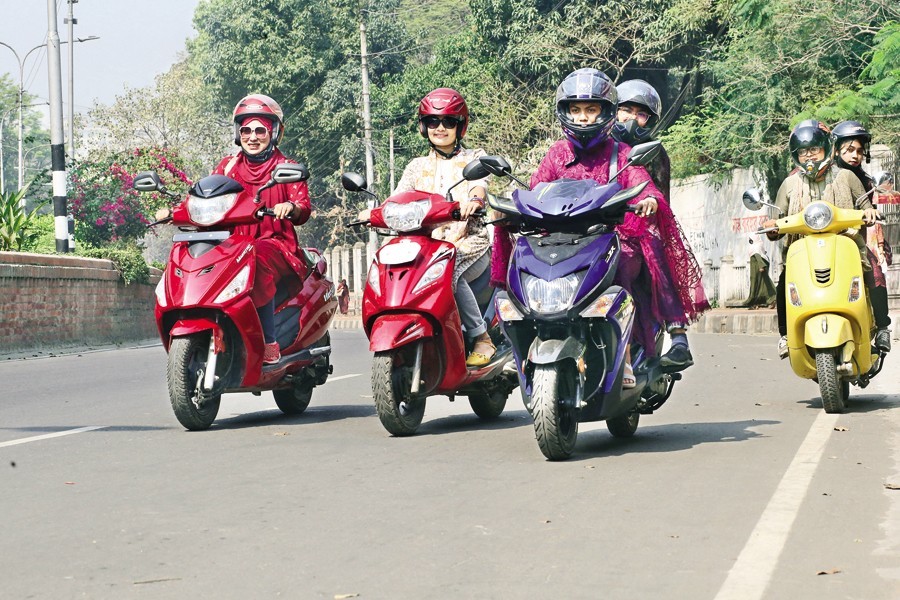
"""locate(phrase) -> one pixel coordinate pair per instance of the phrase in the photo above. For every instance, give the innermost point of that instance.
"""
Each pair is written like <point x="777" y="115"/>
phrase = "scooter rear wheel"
<point x="488" y="405"/>
<point x="187" y="363"/>
<point x="553" y="409"/>
<point x="834" y="391"/>
<point x="400" y="414"/>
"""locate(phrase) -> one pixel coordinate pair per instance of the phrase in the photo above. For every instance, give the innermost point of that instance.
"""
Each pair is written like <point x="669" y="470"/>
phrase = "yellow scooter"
<point x="829" y="315"/>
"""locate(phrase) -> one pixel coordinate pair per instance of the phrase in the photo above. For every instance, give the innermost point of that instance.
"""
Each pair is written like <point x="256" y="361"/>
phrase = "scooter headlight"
<point x="818" y="216"/>
<point x="206" y="211"/>
<point x="161" y="291"/>
<point x="600" y="307"/>
<point x="548" y="297"/>
<point x="237" y="285"/>
<point x="432" y="274"/>
<point x="854" y="290"/>
<point x="405" y="217"/>
<point x="374" y="278"/>
<point x="794" y="295"/>
<point x="508" y="311"/>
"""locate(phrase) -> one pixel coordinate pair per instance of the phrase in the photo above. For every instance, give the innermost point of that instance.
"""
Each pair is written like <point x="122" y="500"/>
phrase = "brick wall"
<point x="48" y="301"/>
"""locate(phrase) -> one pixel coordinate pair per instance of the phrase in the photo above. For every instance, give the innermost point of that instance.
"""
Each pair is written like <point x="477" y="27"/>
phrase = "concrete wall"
<point x="52" y="301"/>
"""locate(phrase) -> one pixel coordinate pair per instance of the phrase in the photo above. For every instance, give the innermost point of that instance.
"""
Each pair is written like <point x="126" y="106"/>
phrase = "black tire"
<point x="555" y="418"/>
<point x="294" y="400"/>
<point x="488" y="405"/>
<point x="391" y="380"/>
<point x="834" y="392"/>
<point x="187" y="359"/>
<point x="625" y="425"/>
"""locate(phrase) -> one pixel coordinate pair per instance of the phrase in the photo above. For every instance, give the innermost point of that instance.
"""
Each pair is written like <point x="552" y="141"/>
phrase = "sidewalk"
<point x="761" y="321"/>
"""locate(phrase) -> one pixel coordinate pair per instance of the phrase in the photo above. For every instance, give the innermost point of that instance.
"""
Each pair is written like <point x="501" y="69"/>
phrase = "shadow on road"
<point x="859" y="403"/>
<point x="472" y="422"/>
<point x="672" y="437"/>
<point x="314" y="414"/>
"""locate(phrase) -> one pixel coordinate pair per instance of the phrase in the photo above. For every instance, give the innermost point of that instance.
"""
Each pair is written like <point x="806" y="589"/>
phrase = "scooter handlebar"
<point x="265" y="212"/>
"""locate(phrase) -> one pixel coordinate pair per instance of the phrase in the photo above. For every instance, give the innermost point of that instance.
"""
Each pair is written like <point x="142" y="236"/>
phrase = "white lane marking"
<point x="330" y="379"/>
<point x="48" y="436"/>
<point x="750" y="575"/>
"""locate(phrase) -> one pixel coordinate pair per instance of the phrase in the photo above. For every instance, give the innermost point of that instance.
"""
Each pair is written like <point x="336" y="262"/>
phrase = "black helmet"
<point x="811" y="134"/>
<point x="850" y="130"/>
<point x="586" y="85"/>
<point x="638" y="91"/>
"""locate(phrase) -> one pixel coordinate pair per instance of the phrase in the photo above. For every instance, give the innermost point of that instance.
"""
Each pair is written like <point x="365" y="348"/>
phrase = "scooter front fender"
<point x="827" y="330"/>
<point x="395" y="330"/>
<point x="545" y="352"/>
<point x="185" y="327"/>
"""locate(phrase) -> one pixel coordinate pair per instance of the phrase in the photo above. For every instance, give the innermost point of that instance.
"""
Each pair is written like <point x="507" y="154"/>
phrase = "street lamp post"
<point x="21" y="62"/>
<point x="21" y="95"/>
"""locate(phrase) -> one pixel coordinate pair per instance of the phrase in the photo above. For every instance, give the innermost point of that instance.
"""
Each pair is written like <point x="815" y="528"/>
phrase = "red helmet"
<point x="259" y="105"/>
<point x="444" y="102"/>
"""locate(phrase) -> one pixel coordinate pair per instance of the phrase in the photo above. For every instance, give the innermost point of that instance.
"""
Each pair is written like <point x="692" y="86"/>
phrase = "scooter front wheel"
<point x="553" y="409"/>
<point x="195" y="410"/>
<point x="834" y="391"/>
<point x="400" y="413"/>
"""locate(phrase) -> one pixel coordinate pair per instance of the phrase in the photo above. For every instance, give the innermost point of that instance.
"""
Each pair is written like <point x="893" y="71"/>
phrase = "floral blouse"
<point x="435" y="174"/>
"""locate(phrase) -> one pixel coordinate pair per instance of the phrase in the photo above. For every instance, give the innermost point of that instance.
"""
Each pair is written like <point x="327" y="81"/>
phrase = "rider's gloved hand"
<point x="646" y="207"/>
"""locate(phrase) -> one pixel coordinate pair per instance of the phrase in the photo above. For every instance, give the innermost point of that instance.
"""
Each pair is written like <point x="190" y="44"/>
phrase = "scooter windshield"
<point x="564" y="198"/>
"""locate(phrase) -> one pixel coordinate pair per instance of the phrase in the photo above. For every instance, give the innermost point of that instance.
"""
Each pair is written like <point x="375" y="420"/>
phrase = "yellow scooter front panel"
<point x="821" y="269"/>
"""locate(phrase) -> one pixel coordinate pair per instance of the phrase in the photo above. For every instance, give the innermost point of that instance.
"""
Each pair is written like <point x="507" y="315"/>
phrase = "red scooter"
<point x="208" y="323"/>
<point x="411" y="319"/>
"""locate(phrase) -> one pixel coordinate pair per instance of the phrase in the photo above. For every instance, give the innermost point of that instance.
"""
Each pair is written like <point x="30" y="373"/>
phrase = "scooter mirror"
<point x="752" y="199"/>
<point x="643" y="154"/>
<point x="495" y="165"/>
<point x="290" y="173"/>
<point x="353" y="182"/>
<point x="147" y="181"/>
<point x="475" y="170"/>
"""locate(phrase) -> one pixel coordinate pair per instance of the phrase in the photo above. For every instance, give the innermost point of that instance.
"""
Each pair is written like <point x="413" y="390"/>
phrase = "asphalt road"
<point x="739" y="487"/>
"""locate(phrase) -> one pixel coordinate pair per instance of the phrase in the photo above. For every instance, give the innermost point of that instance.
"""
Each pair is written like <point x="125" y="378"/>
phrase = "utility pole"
<point x="71" y="21"/>
<point x="57" y="143"/>
<point x="391" y="159"/>
<point x="367" y="125"/>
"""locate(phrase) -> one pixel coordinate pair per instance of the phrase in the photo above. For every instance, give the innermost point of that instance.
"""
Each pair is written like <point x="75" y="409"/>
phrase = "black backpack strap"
<point x="614" y="162"/>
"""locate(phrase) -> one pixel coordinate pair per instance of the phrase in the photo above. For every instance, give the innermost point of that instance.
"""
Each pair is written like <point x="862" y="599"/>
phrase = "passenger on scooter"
<point x="258" y="128"/>
<point x="637" y="120"/>
<point x="443" y="120"/>
<point x="657" y="265"/>
<point x="818" y="179"/>
<point x="851" y="145"/>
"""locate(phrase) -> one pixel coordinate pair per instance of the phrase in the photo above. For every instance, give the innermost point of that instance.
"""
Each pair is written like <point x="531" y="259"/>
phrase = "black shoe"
<point x="883" y="339"/>
<point x="678" y="358"/>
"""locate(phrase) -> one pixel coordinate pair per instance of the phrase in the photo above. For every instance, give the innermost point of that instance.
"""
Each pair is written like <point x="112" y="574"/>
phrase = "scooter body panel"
<point x="823" y="272"/>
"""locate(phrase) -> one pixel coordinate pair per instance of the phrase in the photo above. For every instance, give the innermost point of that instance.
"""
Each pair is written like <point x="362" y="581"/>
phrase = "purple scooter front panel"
<point x="598" y="258"/>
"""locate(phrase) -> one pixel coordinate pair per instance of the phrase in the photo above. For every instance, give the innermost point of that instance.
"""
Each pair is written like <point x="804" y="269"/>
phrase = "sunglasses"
<point x="447" y="122"/>
<point x="259" y="131"/>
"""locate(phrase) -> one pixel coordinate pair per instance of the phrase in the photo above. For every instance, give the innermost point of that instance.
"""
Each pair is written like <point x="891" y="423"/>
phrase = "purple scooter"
<point x="567" y="323"/>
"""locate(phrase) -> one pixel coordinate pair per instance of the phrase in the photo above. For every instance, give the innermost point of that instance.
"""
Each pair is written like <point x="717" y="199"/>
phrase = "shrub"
<point x="105" y="207"/>
<point x="17" y="225"/>
<point x="127" y="259"/>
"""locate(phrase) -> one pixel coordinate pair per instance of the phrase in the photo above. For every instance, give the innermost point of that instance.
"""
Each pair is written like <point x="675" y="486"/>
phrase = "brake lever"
<point x="160" y="222"/>
<point x="355" y="224"/>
